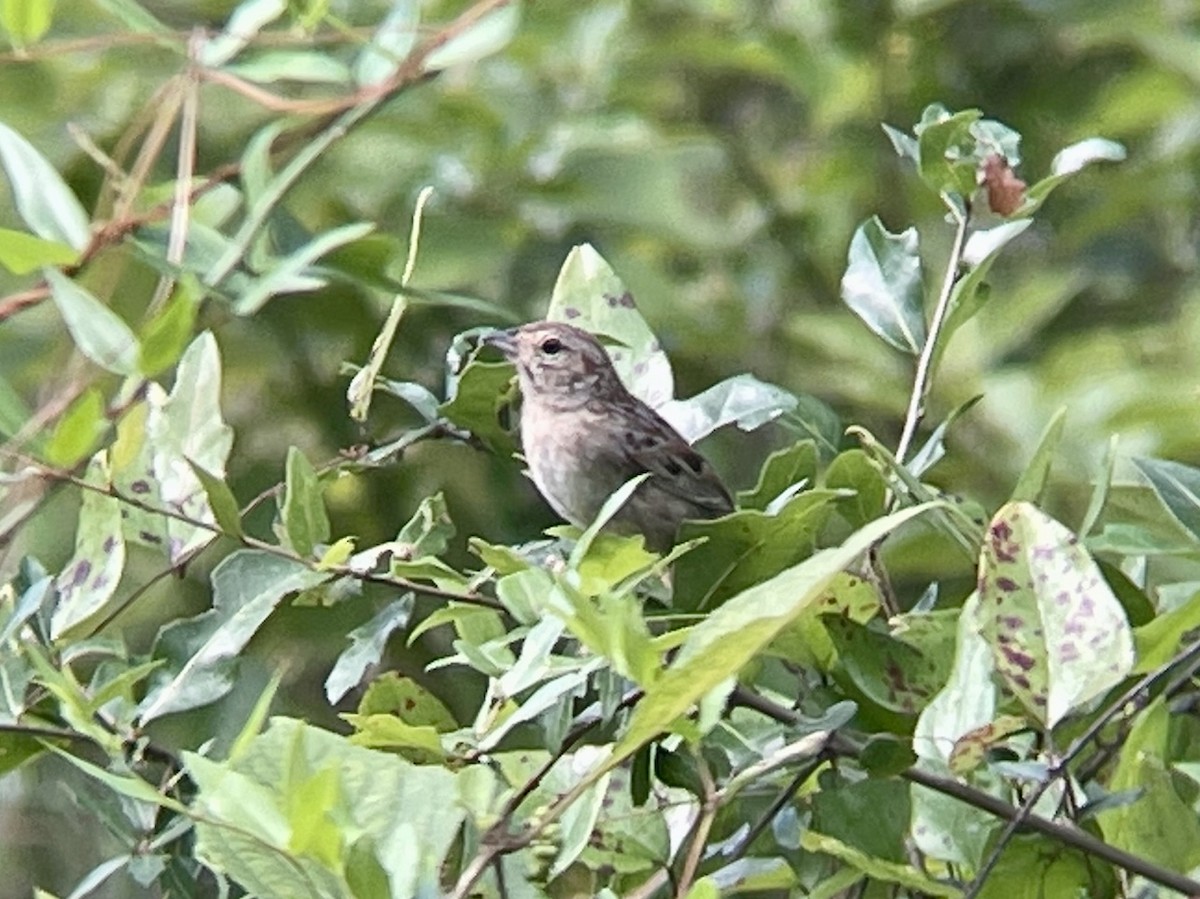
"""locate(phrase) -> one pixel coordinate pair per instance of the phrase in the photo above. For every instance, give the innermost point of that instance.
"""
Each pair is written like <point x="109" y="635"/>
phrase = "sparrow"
<point x="583" y="435"/>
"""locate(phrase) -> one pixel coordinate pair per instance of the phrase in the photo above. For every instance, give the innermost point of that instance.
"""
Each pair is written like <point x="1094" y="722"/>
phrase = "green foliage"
<point x="850" y="682"/>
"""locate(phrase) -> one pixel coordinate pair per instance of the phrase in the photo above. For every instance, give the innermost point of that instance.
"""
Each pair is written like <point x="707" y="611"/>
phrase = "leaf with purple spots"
<point x="1058" y="635"/>
<point x="589" y="295"/>
<point x="971" y="748"/>
<point x="89" y="579"/>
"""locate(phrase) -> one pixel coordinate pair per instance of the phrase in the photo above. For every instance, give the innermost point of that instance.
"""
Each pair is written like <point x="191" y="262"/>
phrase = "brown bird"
<point x="584" y="435"/>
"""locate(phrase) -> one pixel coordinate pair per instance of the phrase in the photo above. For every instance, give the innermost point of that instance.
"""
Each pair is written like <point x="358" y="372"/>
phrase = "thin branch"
<point x="185" y="166"/>
<point x="709" y="805"/>
<point x="777" y="805"/>
<point x="499" y="840"/>
<point x="1189" y="659"/>
<point x="1067" y="834"/>
<point x="475" y="599"/>
<point x="923" y="379"/>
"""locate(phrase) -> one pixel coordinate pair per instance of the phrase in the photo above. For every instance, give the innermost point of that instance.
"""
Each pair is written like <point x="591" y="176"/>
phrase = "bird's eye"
<point x="551" y="345"/>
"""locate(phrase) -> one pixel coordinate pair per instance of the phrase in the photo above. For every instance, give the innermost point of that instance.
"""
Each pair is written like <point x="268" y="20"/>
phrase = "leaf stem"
<point x="923" y="379"/>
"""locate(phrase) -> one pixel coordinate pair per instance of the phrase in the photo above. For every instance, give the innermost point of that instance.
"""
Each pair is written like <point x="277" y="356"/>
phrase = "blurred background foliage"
<point x="719" y="154"/>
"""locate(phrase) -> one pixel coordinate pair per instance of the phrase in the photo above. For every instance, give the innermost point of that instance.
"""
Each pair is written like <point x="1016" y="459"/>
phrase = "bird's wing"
<point x="677" y="468"/>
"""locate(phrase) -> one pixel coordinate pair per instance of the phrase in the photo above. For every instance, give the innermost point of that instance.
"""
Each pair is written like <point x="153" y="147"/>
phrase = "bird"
<point x="583" y="435"/>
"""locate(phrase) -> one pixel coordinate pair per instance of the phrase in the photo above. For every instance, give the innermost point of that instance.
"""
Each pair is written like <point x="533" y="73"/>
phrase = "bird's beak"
<point x="504" y="341"/>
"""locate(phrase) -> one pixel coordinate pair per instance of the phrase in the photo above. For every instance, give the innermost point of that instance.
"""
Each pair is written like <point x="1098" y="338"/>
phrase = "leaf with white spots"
<point x="88" y="581"/>
<point x="1058" y="635"/>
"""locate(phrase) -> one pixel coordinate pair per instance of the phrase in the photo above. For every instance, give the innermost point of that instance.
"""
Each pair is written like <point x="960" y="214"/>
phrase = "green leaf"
<point x="362" y="385"/>
<point x="26" y="21"/>
<point x="23" y="253"/>
<point x="13" y="411"/>
<point x="1059" y="637"/>
<point x="748" y="547"/>
<point x="245" y="22"/>
<point x="305" y="521"/>
<point x="883" y="284"/>
<point x="367" y="643"/>
<point x="393" y="694"/>
<point x="1178" y="486"/>
<point x="97" y="330"/>
<point x="1102" y="484"/>
<point x="392" y="732"/>
<point x="948" y="154"/>
<point x="589" y="295"/>
<point x="404" y="816"/>
<point x="221" y="500"/>
<point x="969" y="294"/>
<point x="610" y="507"/>
<point x="490" y="34"/>
<point x="886" y="755"/>
<point x="1159" y="639"/>
<point x="1032" y="482"/>
<point x="876" y="868"/>
<point x="734" y="634"/>
<point x="125" y="785"/>
<point x="167" y="334"/>
<point x="389" y="45"/>
<point x="201" y="652"/>
<point x="294" y="273"/>
<point x="41" y="196"/>
<point x="783" y="469"/>
<point x="303" y="66"/>
<point x="854" y="470"/>
<point x="934" y="449"/>
<point x="893" y="673"/>
<point x="257" y="717"/>
<point x="743" y="400"/>
<point x="158" y="442"/>
<point x="1036" y="867"/>
<point x="428" y="532"/>
<point x="476" y="403"/>
<point x="89" y="580"/>
<point x="1161" y="825"/>
<point x="1067" y="163"/>
<point x="871" y="816"/>
<point x="76" y="433"/>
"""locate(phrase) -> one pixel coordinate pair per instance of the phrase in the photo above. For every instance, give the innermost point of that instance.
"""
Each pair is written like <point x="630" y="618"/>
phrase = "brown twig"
<point x="420" y="589"/>
<point x="1188" y="659"/>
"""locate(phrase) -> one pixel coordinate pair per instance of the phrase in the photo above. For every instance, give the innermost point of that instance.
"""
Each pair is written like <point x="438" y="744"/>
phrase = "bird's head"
<point x="556" y="361"/>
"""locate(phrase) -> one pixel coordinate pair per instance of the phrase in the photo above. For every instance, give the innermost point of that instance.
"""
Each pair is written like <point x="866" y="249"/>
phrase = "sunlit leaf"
<point x="367" y="643"/>
<point x="99" y="332"/>
<point x="1178" y="486"/>
<point x="1058" y="635"/>
<point x="389" y="45"/>
<point x="742" y="399"/>
<point x="305" y="520"/>
<point x="248" y="18"/>
<point x="739" y="630"/>
<point x="482" y="38"/>
<point x="23" y="253"/>
<point x="201" y="652"/>
<point x="883" y="284"/>
<point x="89" y="580"/>
<point x="75" y="434"/>
<point x="42" y="198"/>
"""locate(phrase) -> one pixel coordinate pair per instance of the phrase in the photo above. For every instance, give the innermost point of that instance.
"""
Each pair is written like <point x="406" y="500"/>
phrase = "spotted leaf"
<point x="1057" y="633"/>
